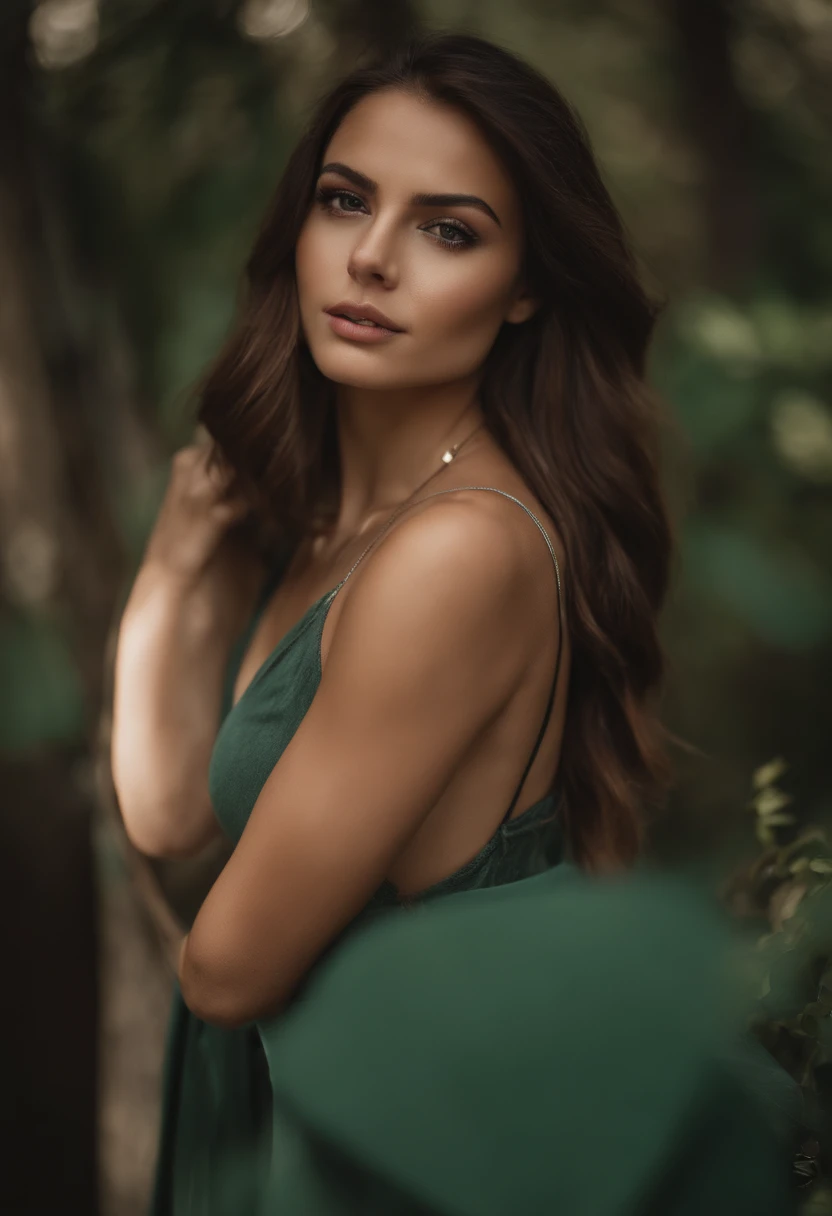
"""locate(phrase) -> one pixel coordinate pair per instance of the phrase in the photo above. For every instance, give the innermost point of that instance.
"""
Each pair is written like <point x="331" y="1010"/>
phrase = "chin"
<point x="348" y="371"/>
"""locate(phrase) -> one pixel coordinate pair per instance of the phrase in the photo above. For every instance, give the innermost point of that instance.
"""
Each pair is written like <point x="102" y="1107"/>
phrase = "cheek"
<point x="462" y="307"/>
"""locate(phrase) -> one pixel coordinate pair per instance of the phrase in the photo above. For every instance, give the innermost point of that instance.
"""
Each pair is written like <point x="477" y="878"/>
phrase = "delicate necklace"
<point x="447" y="457"/>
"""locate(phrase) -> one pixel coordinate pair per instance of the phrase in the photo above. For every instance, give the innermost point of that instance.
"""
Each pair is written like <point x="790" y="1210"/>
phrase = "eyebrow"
<point x="418" y="200"/>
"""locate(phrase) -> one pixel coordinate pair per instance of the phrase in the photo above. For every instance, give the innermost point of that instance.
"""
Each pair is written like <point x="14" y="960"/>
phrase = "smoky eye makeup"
<point x="339" y="200"/>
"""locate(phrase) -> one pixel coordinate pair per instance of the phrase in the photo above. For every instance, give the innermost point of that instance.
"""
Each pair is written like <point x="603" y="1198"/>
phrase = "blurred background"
<point x="139" y="142"/>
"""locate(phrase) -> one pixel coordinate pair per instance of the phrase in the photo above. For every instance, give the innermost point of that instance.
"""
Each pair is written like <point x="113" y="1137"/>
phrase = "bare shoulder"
<point x="451" y="553"/>
<point x="455" y="578"/>
<point x="500" y="541"/>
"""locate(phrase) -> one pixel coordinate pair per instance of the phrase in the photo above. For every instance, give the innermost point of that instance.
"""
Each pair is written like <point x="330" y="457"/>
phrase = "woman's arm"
<point x="426" y="652"/>
<point x="170" y="664"/>
<point x="189" y="601"/>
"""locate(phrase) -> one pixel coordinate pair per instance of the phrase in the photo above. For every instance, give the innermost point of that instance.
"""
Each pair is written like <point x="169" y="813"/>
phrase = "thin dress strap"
<point x="561" y="624"/>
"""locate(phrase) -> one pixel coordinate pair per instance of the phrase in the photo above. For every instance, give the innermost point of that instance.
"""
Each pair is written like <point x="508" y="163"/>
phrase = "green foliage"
<point x="787" y="891"/>
<point x="784" y="598"/>
<point x="173" y="139"/>
<point x="41" y="699"/>
<point x="749" y="625"/>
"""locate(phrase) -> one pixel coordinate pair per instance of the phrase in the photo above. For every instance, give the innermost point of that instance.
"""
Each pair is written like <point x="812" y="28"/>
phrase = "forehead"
<point x="412" y="145"/>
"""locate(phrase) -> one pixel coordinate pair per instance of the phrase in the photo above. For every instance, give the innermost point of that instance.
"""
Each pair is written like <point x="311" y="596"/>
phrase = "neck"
<point x="390" y="442"/>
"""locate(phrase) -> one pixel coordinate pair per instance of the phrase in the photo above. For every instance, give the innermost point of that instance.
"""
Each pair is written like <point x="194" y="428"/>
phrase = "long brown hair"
<point x="564" y="395"/>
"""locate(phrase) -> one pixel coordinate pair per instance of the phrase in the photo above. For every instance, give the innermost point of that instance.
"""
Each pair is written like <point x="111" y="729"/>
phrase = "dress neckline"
<point x="275" y="575"/>
<point x="277" y="650"/>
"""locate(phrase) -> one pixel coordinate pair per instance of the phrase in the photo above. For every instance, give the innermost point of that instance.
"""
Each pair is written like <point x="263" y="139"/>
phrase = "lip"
<point x="363" y="312"/>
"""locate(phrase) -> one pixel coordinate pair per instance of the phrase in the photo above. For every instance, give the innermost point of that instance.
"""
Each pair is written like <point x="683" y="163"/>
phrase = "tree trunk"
<point x="64" y="413"/>
<point x="718" y="122"/>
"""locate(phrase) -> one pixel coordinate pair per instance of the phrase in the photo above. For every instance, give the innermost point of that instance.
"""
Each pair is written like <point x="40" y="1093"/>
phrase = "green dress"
<point x="516" y="1039"/>
<point x="217" y="1097"/>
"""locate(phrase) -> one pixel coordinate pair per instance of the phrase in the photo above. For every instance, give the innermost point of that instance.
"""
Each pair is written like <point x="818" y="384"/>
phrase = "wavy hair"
<point x="564" y="395"/>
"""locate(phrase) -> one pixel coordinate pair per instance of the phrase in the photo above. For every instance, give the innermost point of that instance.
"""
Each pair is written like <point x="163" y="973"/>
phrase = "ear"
<point x="522" y="307"/>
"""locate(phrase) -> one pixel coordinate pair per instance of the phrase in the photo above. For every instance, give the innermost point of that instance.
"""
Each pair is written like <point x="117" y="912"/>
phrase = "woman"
<point x="441" y="302"/>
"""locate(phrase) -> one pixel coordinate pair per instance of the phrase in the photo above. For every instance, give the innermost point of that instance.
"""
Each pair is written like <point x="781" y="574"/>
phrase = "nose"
<point x="372" y="257"/>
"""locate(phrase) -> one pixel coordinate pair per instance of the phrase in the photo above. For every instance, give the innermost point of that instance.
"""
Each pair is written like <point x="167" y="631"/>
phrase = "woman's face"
<point x="444" y="271"/>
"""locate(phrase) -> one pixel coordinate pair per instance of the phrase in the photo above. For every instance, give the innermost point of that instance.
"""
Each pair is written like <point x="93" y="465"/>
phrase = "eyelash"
<point x="326" y="195"/>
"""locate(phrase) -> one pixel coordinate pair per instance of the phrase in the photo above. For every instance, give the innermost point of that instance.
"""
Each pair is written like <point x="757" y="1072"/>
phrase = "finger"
<point x="221" y="476"/>
<point x="231" y="512"/>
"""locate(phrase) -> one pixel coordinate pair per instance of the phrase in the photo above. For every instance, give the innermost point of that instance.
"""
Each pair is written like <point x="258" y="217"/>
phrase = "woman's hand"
<point x="198" y="510"/>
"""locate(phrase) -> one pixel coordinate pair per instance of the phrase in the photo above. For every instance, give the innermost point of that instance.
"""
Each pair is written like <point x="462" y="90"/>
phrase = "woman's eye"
<point x="454" y="235"/>
<point x="345" y="198"/>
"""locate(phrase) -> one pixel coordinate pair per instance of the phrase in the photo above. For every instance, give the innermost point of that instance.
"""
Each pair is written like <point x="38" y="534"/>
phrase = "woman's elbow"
<point x="223" y="1010"/>
<point x="164" y="837"/>
<point x="218" y="994"/>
